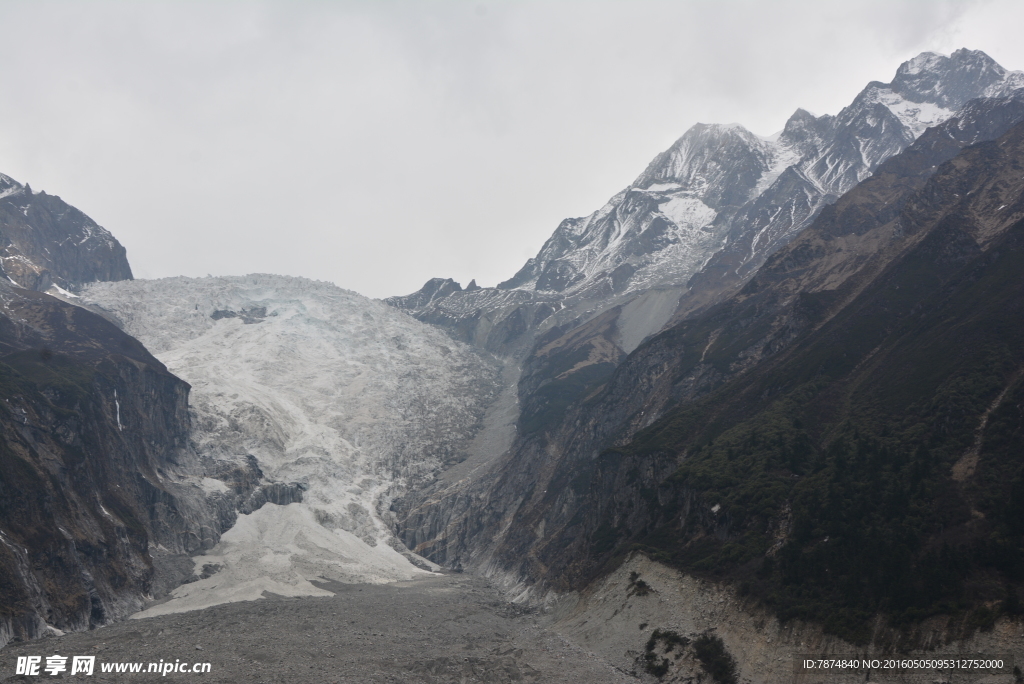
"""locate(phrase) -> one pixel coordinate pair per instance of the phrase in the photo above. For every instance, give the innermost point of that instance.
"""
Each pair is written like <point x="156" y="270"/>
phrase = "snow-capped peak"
<point x="9" y="186"/>
<point x="695" y="160"/>
<point x="720" y="188"/>
<point x="926" y="61"/>
<point x="947" y="82"/>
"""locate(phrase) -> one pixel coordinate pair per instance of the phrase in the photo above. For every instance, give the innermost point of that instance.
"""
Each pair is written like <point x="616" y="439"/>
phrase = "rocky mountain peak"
<point x="929" y="89"/>
<point x="803" y="131"/>
<point x="45" y="242"/>
<point x="947" y="81"/>
<point x="799" y="120"/>
<point x="707" y="212"/>
<point x="719" y="162"/>
<point x="433" y="289"/>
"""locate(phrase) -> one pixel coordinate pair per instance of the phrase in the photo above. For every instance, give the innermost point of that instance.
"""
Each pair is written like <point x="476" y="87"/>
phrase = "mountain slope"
<point x="689" y="232"/>
<point x="777" y="380"/>
<point x="874" y="466"/>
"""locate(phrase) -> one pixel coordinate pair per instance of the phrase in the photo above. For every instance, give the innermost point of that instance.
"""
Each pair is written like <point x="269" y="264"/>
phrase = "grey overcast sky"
<point x="378" y="144"/>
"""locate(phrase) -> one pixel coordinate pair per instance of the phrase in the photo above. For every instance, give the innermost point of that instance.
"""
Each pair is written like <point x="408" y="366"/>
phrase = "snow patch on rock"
<point x="687" y="212"/>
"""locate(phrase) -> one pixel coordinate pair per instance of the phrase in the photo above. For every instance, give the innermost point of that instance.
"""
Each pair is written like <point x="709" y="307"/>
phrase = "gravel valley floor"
<point x="442" y="628"/>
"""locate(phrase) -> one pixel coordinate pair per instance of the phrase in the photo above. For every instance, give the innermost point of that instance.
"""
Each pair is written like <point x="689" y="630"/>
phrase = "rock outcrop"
<point x="94" y="438"/>
<point x="45" y="242"/>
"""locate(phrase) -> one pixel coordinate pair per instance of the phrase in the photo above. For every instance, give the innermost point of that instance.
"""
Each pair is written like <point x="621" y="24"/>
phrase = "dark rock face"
<point x="248" y="316"/>
<point x="94" y="441"/>
<point x="44" y="242"/>
<point x="278" y="493"/>
<point x="897" y="293"/>
<point x="949" y="81"/>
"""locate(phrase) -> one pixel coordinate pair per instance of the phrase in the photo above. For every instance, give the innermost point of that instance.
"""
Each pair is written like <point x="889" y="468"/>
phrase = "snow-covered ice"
<point x="687" y="212"/>
<point x="324" y="387"/>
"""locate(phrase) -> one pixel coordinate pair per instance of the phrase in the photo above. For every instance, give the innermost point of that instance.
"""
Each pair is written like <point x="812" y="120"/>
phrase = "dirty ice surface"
<point x="351" y="398"/>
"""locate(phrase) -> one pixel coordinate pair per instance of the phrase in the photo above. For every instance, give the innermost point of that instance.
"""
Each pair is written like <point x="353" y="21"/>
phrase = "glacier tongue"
<point x="348" y="397"/>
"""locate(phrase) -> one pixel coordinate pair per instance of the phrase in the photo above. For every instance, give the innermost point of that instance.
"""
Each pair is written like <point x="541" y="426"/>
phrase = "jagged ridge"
<point x="45" y="242"/>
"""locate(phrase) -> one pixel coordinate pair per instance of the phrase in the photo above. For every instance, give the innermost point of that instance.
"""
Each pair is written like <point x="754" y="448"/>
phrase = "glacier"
<point x="349" y="398"/>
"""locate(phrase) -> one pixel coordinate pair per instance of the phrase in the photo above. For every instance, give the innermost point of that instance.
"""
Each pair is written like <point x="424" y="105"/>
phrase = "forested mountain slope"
<point x="860" y="392"/>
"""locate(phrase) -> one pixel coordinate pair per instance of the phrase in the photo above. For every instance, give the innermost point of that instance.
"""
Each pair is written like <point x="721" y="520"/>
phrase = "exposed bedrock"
<point x="45" y="242"/>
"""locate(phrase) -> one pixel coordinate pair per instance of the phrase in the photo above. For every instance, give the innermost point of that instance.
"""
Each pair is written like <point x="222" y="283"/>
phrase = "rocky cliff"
<point x="92" y="450"/>
<point x="46" y="242"/>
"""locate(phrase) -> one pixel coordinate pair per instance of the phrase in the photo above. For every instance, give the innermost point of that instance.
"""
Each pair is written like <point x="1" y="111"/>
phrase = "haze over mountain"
<point x="197" y="132"/>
